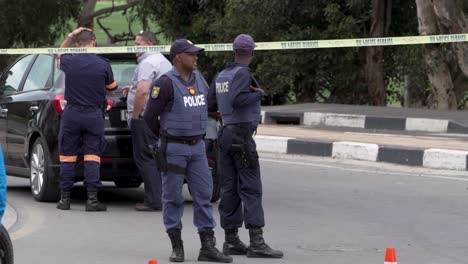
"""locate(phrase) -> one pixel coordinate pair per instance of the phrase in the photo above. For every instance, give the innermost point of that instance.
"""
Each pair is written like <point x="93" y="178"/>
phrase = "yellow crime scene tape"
<point x="280" y="45"/>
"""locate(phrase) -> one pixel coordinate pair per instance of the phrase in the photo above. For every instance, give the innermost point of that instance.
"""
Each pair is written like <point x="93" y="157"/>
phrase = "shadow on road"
<point x="109" y="194"/>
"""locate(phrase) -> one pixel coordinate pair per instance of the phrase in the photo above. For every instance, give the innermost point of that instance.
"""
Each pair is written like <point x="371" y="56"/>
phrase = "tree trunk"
<point x="375" y="55"/>
<point x="86" y="19"/>
<point x="452" y="20"/>
<point x="443" y="95"/>
<point x="415" y="93"/>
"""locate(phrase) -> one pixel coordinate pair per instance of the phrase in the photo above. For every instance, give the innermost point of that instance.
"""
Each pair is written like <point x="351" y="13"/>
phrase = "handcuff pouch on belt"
<point x="159" y="153"/>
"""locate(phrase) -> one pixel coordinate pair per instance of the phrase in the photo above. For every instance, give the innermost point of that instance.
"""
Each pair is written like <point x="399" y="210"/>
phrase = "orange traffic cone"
<point x="390" y="256"/>
<point x="152" y="261"/>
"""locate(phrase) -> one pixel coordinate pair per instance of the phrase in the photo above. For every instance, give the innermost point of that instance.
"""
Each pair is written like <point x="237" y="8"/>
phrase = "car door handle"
<point x="34" y="108"/>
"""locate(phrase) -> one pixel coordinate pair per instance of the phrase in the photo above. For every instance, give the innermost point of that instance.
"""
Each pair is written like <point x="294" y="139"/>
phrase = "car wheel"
<point x="44" y="187"/>
<point x="127" y="182"/>
<point x="6" y="248"/>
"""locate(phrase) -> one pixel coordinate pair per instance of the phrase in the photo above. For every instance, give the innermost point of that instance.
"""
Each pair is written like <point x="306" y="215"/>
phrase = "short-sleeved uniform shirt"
<point x="150" y="67"/>
<point x="88" y="76"/>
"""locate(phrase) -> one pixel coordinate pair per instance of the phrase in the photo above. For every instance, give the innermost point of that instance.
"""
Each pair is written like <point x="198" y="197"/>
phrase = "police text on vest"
<point x="192" y="101"/>
<point x="222" y="87"/>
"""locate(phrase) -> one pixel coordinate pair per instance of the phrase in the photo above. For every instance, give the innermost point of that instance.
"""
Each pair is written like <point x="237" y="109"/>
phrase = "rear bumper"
<point x="118" y="146"/>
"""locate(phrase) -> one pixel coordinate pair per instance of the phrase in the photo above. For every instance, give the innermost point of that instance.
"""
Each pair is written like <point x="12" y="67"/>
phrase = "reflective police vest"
<point x="189" y="112"/>
<point x="225" y="95"/>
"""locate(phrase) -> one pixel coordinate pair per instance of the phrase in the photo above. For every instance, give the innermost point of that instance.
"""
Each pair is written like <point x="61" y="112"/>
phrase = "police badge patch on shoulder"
<point x="155" y="92"/>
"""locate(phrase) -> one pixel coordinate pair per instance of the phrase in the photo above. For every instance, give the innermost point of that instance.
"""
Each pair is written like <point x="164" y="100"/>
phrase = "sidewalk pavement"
<point x="430" y="152"/>
<point x="313" y="130"/>
<point x="368" y="117"/>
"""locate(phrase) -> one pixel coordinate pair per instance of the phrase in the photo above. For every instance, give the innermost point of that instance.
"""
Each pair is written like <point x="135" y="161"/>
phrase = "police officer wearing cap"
<point x="87" y="79"/>
<point x="237" y="95"/>
<point x="178" y="99"/>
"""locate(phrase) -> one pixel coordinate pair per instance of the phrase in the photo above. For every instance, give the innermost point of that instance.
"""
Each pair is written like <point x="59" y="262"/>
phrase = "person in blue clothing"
<point x="178" y="99"/>
<point x="237" y="95"/>
<point x="3" y="185"/>
<point x="87" y="79"/>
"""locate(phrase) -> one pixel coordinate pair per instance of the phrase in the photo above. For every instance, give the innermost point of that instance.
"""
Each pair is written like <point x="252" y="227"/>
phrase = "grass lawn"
<point x="117" y="23"/>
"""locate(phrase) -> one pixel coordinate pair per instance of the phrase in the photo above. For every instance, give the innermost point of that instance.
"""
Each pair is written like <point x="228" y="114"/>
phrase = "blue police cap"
<point x="183" y="46"/>
<point x="243" y="43"/>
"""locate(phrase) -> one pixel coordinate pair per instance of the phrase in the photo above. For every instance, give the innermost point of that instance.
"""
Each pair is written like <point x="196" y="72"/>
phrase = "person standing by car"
<point x="150" y="67"/>
<point x="178" y="98"/>
<point x="87" y="78"/>
<point x="3" y="185"/>
<point x="237" y="95"/>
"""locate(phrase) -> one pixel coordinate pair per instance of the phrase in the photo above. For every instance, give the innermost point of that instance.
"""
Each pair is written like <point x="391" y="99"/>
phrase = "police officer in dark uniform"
<point x="88" y="78"/>
<point x="178" y="98"/>
<point x="237" y="95"/>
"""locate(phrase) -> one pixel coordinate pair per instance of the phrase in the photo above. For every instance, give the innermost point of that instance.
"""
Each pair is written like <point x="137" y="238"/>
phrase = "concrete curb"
<point x="428" y="158"/>
<point x="364" y="121"/>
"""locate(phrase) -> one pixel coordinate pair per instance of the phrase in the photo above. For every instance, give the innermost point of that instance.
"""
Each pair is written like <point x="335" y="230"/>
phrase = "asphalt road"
<point x="318" y="210"/>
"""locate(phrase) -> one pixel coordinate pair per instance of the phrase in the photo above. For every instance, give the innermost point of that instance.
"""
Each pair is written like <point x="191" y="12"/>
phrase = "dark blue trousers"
<point x="199" y="180"/>
<point x="143" y="140"/>
<point x="81" y="129"/>
<point x="241" y="185"/>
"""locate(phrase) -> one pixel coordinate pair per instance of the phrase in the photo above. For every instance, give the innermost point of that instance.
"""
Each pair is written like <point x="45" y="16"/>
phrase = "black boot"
<point x="258" y="248"/>
<point x="64" y="203"/>
<point x="208" y="251"/>
<point x="233" y="245"/>
<point x="177" y="246"/>
<point x="93" y="204"/>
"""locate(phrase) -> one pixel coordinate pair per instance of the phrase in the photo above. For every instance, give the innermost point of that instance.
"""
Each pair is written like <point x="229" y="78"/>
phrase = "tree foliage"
<point x="314" y="75"/>
<point x="324" y="75"/>
<point x="34" y="23"/>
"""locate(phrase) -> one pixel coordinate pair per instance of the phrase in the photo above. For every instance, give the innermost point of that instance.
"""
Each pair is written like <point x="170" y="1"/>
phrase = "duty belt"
<point x="184" y="141"/>
<point x="84" y="107"/>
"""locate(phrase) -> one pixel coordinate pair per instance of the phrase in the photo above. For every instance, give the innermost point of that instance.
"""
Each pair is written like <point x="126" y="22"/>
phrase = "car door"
<point x="10" y="85"/>
<point x="25" y="106"/>
<point x="3" y="112"/>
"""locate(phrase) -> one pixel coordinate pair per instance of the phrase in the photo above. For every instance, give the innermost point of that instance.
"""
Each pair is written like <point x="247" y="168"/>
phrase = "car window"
<point x="123" y="72"/>
<point x="11" y="79"/>
<point x="40" y="73"/>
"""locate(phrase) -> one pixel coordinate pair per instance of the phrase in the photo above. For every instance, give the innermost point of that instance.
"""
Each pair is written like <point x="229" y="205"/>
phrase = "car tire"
<point x="6" y="248"/>
<point x="127" y="182"/>
<point x="44" y="187"/>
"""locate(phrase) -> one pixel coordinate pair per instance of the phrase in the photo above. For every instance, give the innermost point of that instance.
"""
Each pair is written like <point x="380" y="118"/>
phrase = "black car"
<point x="31" y="102"/>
